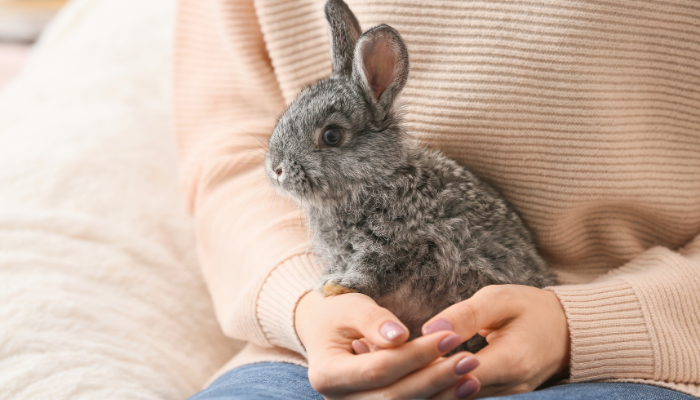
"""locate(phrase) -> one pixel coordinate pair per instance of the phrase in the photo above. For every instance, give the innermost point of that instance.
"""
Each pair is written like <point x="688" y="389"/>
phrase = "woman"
<point x="584" y="114"/>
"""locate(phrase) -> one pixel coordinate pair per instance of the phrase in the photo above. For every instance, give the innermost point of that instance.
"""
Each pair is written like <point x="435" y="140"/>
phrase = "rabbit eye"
<point x="332" y="137"/>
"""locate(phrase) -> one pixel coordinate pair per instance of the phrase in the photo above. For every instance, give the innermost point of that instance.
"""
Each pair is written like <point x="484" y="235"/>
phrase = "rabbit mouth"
<point x="289" y="178"/>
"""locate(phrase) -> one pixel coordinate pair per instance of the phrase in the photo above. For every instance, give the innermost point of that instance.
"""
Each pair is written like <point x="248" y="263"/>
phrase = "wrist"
<point x="303" y="312"/>
<point x="563" y="330"/>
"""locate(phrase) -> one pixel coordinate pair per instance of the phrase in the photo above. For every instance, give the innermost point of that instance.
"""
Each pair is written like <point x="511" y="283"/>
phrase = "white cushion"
<point x="100" y="293"/>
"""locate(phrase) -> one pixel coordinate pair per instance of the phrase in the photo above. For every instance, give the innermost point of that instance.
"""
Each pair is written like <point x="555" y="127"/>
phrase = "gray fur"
<point x="343" y="31"/>
<point x="402" y="224"/>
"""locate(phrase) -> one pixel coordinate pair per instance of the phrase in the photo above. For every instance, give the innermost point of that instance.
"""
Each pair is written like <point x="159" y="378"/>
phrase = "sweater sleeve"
<point x="252" y="244"/>
<point x="640" y="321"/>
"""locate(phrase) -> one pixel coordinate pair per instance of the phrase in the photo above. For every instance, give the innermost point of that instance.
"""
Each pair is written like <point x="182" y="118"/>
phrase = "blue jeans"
<point x="281" y="381"/>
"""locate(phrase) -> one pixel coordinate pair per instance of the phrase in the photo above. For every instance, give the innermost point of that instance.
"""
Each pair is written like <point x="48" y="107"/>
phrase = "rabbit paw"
<point x="333" y="289"/>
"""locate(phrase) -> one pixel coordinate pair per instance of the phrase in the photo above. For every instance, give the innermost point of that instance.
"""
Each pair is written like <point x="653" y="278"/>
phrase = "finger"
<point x="377" y="324"/>
<point x="428" y="381"/>
<point x="466" y="388"/>
<point x="366" y="343"/>
<point x="360" y="346"/>
<point x="342" y="372"/>
<point x="500" y="366"/>
<point x="485" y="332"/>
<point x="488" y="308"/>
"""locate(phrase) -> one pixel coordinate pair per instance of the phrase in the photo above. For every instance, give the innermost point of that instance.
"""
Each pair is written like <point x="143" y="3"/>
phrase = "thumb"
<point x="377" y="324"/>
<point x="488" y="308"/>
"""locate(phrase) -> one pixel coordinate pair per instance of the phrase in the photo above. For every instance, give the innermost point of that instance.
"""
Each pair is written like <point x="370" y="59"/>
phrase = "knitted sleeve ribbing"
<point x="641" y="321"/>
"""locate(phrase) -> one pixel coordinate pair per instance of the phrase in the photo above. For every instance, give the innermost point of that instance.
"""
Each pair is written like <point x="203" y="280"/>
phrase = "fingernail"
<point x="449" y="343"/>
<point x="360" y="347"/>
<point x="467" y="389"/>
<point x="391" y="330"/>
<point x="466" y="365"/>
<point x="377" y="348"/>
<point x="437" y="326"/>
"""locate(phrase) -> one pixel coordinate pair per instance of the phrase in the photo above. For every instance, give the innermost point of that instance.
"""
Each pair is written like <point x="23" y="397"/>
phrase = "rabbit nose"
<point x="279" y="171"/>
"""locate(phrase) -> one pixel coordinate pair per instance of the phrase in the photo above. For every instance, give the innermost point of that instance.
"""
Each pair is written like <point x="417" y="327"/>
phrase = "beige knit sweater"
<point x="584" y="113"/>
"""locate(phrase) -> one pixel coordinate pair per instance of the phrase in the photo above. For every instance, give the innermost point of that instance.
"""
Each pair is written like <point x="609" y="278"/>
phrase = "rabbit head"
<point x="343" y="132"/>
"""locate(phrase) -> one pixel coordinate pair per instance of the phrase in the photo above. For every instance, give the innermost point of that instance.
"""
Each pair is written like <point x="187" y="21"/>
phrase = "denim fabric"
<point x="600" y="391"/>
<point x="281" y="381"/>
<point x="264" y="381"/>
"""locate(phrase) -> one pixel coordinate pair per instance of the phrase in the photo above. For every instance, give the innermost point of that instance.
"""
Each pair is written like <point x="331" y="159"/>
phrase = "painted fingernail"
<point x="466" y="365"/>
<point x="467" y="389"/>
<point x="360" y="347"/>
<point x="437" y="326"/>
<point x="449" y="343"/>
<point x="391" y="330"/>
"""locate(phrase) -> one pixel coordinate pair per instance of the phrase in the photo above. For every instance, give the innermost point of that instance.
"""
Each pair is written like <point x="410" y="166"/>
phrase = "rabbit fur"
<point x="402" y="224"/>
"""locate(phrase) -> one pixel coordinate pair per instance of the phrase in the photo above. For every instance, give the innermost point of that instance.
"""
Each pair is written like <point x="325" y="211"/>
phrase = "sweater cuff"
<point x="609" y="335"/>
<point x="280" y="294"/>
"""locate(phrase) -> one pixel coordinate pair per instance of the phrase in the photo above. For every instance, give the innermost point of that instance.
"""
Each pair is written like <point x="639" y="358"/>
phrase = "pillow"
<point x="100" y="293"/>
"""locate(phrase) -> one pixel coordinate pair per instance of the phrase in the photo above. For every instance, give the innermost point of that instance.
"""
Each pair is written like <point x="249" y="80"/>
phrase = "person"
<point x="584" y="114"/>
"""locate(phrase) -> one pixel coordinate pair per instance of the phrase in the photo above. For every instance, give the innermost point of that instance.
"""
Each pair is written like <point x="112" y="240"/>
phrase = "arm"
<point x="252" y="244"/>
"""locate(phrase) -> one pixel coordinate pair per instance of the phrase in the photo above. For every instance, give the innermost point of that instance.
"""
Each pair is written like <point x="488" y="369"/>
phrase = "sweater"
<point x="584" y="114"/>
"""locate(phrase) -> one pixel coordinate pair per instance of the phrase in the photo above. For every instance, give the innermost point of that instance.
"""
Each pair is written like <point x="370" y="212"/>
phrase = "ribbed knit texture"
<point x="608" y="332"/>
<point x="292" y="279"/>
<point x="585" y="114"/>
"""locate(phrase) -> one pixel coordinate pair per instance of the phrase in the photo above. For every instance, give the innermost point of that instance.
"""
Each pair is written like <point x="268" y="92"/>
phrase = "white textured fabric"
<point x="100" y="293"/>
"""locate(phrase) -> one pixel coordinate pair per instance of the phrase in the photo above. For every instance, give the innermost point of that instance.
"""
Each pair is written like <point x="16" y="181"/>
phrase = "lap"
<point x="283" y="381"/>
<point x="264" y="381"/>
<point x="600" y="390"/>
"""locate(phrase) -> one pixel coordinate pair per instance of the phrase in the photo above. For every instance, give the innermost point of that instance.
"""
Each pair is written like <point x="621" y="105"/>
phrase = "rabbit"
<point x="402" y="224"/>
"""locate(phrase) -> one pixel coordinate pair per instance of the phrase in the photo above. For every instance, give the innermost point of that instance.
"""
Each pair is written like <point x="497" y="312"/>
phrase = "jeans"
<point x="281" y="381"/>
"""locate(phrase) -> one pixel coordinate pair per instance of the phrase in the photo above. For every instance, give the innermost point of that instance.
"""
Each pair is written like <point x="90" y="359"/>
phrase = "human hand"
<point x="330" y="328"/>
<point x="526" y="330"/>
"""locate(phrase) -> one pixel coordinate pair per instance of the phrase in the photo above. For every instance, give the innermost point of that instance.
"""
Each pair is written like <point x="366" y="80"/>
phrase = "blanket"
<point x="100" y="292"/>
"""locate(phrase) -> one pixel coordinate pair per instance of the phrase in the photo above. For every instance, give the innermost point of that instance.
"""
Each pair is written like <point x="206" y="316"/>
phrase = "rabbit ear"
<point x="380" y="64"/>
<point x="344" y="30"/>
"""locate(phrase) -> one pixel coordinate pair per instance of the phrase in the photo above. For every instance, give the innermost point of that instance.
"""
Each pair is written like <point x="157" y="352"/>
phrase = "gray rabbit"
<point x="399" y="223"/>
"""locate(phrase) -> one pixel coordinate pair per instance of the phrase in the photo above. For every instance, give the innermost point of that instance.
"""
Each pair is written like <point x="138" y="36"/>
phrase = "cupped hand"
<point x="334" y="331"/>
<point x="527" y="332"/>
